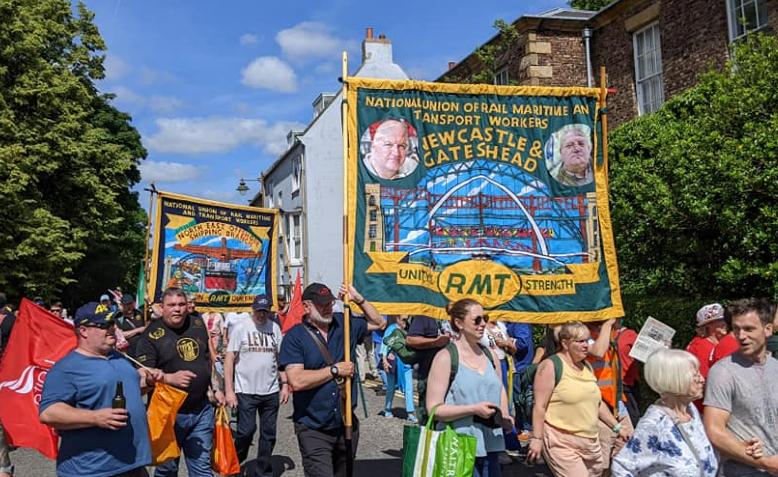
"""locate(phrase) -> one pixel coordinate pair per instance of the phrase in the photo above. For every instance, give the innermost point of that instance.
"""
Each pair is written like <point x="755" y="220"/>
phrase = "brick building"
<point x="652" y="49"/>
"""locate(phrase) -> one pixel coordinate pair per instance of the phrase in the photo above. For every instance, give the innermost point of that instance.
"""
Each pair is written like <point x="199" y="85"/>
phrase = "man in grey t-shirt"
<point x="253" y="383"/>
<point x="741" y="396"/>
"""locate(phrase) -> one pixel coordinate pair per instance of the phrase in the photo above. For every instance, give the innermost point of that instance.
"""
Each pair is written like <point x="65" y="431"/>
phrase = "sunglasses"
<point x="481" y="319"/>
<point x="102" y="326"/>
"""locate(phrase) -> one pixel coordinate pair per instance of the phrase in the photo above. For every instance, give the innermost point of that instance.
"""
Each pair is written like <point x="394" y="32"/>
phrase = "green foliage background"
<point x="68" y="159"/>
<point x="694" y="191"/>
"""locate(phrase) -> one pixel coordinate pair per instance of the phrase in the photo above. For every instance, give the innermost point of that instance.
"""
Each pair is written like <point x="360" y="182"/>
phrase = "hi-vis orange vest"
<point x="608" y="373"/>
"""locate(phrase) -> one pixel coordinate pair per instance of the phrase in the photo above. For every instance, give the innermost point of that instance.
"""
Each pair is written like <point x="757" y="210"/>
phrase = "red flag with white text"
<point x="38" y="340"/>
<point x="296" y="310"/>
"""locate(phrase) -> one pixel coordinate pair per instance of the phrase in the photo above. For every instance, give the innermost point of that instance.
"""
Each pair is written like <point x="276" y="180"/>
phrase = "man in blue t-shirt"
<point x="97" y="440"/>
<point x="312" y="354"/>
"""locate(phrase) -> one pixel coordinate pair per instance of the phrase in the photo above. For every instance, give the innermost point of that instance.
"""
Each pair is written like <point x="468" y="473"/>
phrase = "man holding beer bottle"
<point x="92" y="397"/>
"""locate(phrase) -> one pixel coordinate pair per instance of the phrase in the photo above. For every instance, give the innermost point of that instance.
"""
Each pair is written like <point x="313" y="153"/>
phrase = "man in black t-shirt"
<point x="130" y="321"/>
<point x="178" y="345"/>
<point x="425" y="336"/>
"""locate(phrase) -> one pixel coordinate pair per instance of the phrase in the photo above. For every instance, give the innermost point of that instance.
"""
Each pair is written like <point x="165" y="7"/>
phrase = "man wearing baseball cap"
<point x="255" y="385"/>
<point x="77" y="401"/>
<point x="312" y="354"/>
<point x="130" y="320"/>
<point x="711" y="327"/>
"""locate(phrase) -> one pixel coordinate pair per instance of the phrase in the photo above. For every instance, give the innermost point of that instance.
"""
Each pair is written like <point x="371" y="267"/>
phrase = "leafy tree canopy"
<point x="694" y="186"/>
<point x="67" y="157"/>
<point x="593" y="5"/>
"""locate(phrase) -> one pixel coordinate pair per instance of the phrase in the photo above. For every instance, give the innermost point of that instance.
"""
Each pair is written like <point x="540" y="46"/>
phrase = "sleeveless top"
<point x="471" y="387"/>
<point x="575" y="402"/>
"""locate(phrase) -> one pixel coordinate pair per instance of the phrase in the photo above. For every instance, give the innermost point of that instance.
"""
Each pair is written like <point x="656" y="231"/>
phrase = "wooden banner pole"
<point x="146" y="269"/>
<point x="346" y="311"/>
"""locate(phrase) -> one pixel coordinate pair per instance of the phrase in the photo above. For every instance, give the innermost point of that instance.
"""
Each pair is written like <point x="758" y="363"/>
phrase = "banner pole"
<point x="146" y="271"/>
<point x="346" y="311"/>
<point x="604" y="119"/>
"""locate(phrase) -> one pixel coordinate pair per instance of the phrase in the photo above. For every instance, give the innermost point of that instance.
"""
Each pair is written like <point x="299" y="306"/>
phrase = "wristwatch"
<point x="334" y="371"/>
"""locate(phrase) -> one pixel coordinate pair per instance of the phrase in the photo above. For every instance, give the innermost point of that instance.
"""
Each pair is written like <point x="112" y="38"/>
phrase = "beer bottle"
<point x="119" y="402"/>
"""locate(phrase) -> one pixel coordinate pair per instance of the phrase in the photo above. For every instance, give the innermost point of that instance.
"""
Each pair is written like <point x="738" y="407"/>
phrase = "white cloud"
<point x="149" y="76"/>
<point x="164" y="104"/>
<point x="309" y="40"/>
<point x="115" y="67"/>
<point x="158" y="104"/>
<point x="248" y="39"/>
<point x="230" y="196"/>
<point x="270" y="72"/>
<point x="163" y="171"/>
<point x="216" y="135"/>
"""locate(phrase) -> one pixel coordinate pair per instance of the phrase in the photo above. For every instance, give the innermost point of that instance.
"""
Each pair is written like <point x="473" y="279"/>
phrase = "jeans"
<point x="5" y="459"/>
<point x="324" y="452"/>
<point x="487" y="466"/>
<point x="248" y="407"/>
<point x="391" y="384"/>
<point x="194" y="433"/>
<point x="379" y="366"/>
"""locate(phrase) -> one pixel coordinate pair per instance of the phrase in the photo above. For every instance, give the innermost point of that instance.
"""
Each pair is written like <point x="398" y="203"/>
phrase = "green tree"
<point x="593" y="5"/>
<point x="67" y="157"/>
<point x="488" y="58"/>
<point x="694" y="186"/>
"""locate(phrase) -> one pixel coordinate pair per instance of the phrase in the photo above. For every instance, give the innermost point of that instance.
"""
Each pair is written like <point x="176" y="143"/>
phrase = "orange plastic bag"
<point x="161" y="415"/>
<point x="224" y="459"/>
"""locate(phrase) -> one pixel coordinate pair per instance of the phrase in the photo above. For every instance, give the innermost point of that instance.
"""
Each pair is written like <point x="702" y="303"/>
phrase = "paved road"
<point x="378" y="455"/>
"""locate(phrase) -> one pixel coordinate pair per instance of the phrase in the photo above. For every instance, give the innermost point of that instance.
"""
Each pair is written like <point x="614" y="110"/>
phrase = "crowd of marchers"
<point x="571" y="401"/>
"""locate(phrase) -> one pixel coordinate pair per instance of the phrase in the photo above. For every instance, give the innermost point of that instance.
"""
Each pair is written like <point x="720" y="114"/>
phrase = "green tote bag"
<point x="431" y="453"/>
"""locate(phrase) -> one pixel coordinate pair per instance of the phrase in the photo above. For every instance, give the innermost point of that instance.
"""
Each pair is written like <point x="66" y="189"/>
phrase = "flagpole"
<point x="346" y="311"/>
<point x="604" y="119"/>
<point x="147" y="306"/>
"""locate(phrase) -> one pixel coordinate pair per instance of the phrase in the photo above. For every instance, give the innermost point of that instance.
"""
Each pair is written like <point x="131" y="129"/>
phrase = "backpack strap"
<point x="454" y="354"/>
<point x="558" y="368"/>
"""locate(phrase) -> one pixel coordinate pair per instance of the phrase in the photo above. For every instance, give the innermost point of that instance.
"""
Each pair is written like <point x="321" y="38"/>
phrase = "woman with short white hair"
<point x="670" y="438"/>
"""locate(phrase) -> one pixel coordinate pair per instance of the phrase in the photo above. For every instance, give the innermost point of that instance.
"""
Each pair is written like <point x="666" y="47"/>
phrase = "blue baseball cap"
<point x="93" y="314"/>
<point x="261" y="302"/>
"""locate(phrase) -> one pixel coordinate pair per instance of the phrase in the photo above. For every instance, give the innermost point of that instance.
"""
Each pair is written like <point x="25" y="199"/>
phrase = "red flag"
<point x="296" y="310"/>
<point x="39" y="339"/>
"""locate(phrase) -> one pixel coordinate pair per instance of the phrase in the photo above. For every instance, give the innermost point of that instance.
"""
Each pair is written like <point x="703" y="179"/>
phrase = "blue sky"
<point x="214" y="87"/>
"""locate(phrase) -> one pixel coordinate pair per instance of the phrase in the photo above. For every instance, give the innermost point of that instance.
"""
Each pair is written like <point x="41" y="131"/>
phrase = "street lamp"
<point x="243" y="188"/>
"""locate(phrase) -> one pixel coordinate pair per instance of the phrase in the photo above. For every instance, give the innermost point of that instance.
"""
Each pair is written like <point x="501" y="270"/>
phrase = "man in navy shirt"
<point x="316" y="369"/>
<point x="77" y="401"/>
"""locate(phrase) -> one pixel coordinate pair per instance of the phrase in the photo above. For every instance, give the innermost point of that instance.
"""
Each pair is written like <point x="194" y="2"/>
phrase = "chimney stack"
<point x="451" y="65"/>
<point x="376" y="50"/>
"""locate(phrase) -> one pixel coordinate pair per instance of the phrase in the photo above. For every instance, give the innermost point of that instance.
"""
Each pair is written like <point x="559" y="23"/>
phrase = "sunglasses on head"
<point x="481" y="319"/>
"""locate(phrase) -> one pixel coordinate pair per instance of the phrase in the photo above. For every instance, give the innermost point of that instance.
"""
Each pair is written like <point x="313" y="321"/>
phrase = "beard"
<point x="317" y="317"/>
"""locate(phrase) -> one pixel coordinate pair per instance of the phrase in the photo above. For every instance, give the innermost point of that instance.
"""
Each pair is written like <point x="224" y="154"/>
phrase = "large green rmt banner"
<point x="494" y="193"/>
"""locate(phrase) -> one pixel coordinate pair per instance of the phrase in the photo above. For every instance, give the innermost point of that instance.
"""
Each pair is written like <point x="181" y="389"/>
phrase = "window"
<point x="373" y="215"/>
<point x="501" y="77"/>
<point x="373" y="231"/>
<point x="280" y="203"/>
<point x="296" y="174"/>
<point x="648" y="69"/>
<point x="745" y="16"/>
<point x="294" y="237"/>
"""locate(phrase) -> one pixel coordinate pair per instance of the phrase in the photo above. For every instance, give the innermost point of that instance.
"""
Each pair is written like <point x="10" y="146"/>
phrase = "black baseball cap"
<point x="318" y="293"/>
<point x="127" y="299"/>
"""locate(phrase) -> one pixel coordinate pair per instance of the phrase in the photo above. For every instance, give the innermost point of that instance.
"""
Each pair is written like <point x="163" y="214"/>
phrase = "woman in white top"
<point x="670" y="438"/>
